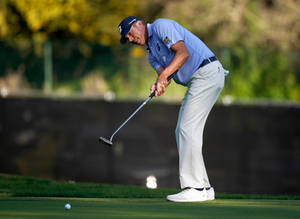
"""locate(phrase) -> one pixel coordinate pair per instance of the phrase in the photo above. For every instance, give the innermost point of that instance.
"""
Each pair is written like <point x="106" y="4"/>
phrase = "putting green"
<point x="85" y="208"/>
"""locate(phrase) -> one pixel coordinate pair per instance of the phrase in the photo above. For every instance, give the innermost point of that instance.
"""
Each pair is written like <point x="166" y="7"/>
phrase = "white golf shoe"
<point x="189" y="195"/>
<point x="210" y="193"/>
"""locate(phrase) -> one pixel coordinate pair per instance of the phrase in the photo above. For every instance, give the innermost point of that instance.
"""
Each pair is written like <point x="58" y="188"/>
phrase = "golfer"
<point x="173" y="48"/>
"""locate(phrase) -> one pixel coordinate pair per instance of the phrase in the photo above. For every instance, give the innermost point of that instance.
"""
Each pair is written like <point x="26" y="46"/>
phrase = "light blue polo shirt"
<point x="162" y="34"/>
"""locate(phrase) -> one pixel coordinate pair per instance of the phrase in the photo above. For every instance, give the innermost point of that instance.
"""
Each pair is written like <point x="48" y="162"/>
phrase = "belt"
<point x="207" y="61"/>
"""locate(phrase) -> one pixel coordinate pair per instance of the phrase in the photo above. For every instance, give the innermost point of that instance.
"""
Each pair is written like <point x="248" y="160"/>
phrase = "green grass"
<point x="86" y="208"/>
<point x="22" y="186"/>
<point x="28" y="198"/>
<point x="18" y="186"/>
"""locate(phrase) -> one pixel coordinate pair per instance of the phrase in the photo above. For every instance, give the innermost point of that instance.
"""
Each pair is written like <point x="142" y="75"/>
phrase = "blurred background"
<point x="258" y="41"/>
<point x="65" y="80"/>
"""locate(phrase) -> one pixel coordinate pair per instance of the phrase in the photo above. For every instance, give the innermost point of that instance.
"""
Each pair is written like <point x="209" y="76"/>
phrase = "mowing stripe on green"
<point x="90" y="208"/>
<point x="17" y="186"/>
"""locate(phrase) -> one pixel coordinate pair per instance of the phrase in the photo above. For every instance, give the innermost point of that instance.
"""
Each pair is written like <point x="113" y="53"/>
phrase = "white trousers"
<point x="203" y="90"/>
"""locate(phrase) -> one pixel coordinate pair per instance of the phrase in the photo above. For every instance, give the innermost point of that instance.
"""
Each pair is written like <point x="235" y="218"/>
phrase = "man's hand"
<point x="160" y="85"/>
<point x="153" y="88"/>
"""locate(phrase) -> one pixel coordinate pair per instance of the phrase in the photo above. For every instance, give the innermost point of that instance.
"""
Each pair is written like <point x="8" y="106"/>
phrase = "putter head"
<point x="105" y="141"/>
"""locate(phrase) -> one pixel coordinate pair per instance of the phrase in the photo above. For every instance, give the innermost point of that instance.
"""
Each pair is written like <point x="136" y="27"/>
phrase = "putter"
<point x="109" y="142"/>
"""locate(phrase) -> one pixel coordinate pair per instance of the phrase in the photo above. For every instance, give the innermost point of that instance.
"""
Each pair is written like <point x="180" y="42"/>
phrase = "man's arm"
<point x="158" y="71"/>
<point x="181" y="55"/>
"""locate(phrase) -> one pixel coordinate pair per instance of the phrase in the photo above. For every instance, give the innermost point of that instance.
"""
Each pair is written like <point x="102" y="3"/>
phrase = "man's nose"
<point x="130" y="39"/>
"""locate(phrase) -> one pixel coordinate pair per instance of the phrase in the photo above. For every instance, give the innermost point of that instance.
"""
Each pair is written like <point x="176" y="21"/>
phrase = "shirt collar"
<point x="149" y="28"/>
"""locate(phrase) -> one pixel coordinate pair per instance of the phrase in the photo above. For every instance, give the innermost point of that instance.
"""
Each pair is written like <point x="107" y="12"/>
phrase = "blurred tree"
<point x="220" y="23"/>
<point x="226" y="23"/>
<point x="91" y="20"/>
<point x="261" y="36"/>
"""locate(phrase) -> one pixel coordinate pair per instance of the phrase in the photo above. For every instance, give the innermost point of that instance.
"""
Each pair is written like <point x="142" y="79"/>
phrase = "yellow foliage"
<point x="3" y="26"/>
<point x="221" y="23"/>
<point x="95" y="20"/>
<point x="137" y="52"/>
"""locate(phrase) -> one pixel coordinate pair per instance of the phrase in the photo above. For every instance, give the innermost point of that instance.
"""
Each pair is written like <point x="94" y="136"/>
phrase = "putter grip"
<point x="169" y="78"/>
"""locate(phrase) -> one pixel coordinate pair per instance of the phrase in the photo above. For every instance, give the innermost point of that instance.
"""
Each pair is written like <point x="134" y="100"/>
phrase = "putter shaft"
<point x="109" y="142"/>
<point x="145" y="102"/>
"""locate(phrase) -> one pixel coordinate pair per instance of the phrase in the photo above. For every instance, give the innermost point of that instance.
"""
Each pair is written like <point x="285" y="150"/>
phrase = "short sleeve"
<point x="168" y="32"/>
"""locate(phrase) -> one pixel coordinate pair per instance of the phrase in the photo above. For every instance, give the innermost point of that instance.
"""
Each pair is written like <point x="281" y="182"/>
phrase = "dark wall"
<point x="247" y="148"/>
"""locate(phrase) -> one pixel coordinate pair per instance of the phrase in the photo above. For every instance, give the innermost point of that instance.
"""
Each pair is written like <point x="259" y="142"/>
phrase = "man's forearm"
<point x="181" y="55"/>
<point x="160" y="70"/>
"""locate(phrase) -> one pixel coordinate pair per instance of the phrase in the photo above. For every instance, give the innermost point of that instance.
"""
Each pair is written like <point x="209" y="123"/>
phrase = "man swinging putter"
<point x="173" y="48"/>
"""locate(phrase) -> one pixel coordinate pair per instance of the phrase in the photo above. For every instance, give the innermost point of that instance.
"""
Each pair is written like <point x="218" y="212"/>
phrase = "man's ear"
<point x="139" y="23"/>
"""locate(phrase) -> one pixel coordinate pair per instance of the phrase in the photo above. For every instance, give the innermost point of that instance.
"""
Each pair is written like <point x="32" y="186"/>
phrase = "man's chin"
<point x="138" y="43"/>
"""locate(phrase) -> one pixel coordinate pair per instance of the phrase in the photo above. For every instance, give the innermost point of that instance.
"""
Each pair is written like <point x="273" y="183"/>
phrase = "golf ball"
<point x="67" y="206"/>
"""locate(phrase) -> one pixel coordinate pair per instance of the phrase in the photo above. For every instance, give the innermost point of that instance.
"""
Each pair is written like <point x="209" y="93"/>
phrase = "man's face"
<point x="137" y="34"/>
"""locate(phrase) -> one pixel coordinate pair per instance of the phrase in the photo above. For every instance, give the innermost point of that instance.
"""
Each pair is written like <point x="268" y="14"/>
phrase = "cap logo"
<point x="132" y="21"/>
<point x="120" y="29"/>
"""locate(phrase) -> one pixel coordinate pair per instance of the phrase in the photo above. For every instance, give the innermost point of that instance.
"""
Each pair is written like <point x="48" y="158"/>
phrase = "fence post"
<point x="48" y="77"/>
